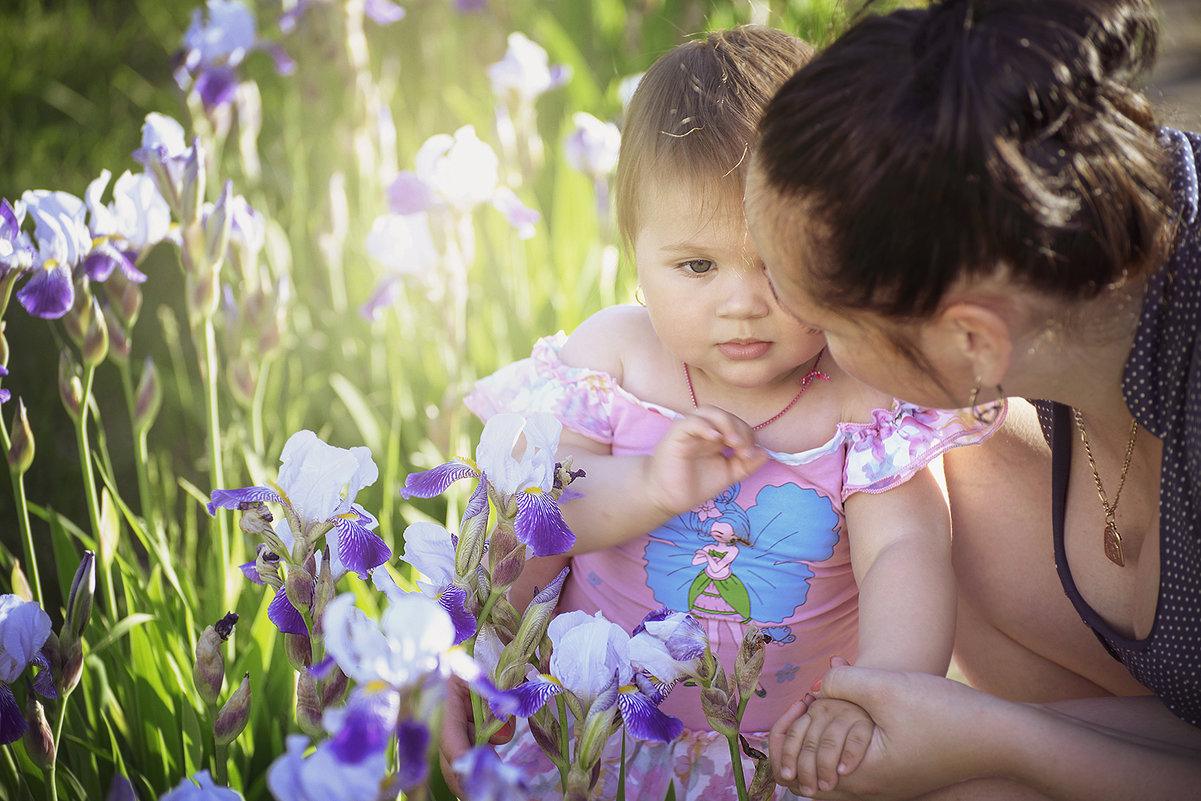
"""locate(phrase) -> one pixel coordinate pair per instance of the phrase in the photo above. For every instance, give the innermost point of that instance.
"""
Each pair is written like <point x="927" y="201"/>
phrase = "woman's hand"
<point x="930" y="732"/>
<point x="458" y="731"/>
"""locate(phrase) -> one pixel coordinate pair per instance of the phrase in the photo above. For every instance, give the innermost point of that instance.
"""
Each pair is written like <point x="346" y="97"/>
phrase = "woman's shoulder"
<point x="609" y="341"/>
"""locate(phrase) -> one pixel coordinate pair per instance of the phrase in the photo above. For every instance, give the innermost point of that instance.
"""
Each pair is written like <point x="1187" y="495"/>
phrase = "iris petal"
<point x="644" y="720"/>
<point x="454" y="601"/>
<point x="358" y="549"/>
<point x="229" y="499"/>
<point x="533" y="695"/>
<point x="12" y="722"/>
<point x="430" y="483"/>
<point x="412" y="743"/>
<point x="285" y="616"/>
<point x="540" y="524"/>
<point x="48" y="294"/>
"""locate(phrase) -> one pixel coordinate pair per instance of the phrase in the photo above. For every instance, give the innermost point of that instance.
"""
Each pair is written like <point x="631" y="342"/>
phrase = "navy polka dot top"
<point x="1162" y="387"/>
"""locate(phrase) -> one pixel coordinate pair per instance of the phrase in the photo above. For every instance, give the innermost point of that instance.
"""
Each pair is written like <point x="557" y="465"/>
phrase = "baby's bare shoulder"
<point x="607" y="340"/>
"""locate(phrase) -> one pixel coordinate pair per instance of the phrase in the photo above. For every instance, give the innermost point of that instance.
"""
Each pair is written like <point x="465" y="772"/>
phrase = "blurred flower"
<point x="626" y="88"/>
<point x="16" y="250"/>
<point x="137" y="218"/>
<point x="214" y="45"/>
<point x="200" y="788"/>
<point x="403" y="244"/>
<point x="321" y="776"/>
<point x="517" y="213"/>
<point x="63" y="240"/>
<point x="526" y="482"/>
<point x="317" y="484"/>
<point x="469" y="6"/>
<point x="592" y="145"/>
<point x="524" y="72"/>
<point x="168" y="160"/>
<point x="486" y="778"/>
<point x="460" y="170"/>
<point x="24" y="629"/>
<point x="429" y="549"/>
<point x="381" y="12"/>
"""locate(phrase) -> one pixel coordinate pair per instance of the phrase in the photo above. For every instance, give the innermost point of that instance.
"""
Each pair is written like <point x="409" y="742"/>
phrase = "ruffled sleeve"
<point x="581" y="399"/>
<point x="901" y="441"/>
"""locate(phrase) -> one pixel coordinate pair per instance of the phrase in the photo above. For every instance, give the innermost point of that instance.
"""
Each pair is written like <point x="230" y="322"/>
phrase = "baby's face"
<point x="706" y="291"/>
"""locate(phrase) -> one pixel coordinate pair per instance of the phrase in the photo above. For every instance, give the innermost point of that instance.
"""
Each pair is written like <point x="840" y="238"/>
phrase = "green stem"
<point x="216" y="473"/>
<point x="89" y="489"/>
<point x="51" y="777"/>
<point x="18" y="481"/>
<point x="736" y="761"/>
<point x="140" y="446"/>
<point x="220" y="751"/>
<point x="564" y="745"/>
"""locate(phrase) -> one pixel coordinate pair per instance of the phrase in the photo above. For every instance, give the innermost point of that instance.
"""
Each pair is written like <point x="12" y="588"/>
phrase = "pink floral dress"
<point x="771" y="550"/>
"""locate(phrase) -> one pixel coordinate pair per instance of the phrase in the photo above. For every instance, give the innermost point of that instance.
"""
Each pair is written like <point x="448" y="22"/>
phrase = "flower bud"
<point x="70" y="388"/>
<point x="203" y="294"/>
<point x="95" y="337"/>
<point x="545" y="729"/>
<point x="19" y="583"/>
<point x="124" y="298"/>
<point x="119" y="345"/>
<point x="719" y="710"/>
<point x="308" y="704"/>
<point x="209" y="671"/>
<point x="233" y="716"/>
<point x="39" y="741"/>
<point x="763" y="783"/>
<point x="323" y="592"/>
<point x="72" y="666"/>
<point x="191" y="196"/>
<point x="333" y="688"/>
<point x="255" y="519"/>
<point x="473" y="532"/>
<point x="20" y="452"/>
<point x="299" y="586"/>
<point x="749" y="662"/>
<point x="79" y="317"/>
<point x="3" y="342"/>
<point x="216" y="230"/>
<point x="299" y="650"/>
<point x="79" y="599"/>
<point x="597" y="726"/>
<point x="148" y="399"/>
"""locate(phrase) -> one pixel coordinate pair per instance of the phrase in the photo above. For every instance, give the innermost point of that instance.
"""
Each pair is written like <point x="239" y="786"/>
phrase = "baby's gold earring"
<point x="639" y="296"/>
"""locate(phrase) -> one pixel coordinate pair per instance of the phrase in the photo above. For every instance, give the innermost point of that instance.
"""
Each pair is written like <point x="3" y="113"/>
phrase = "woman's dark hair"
<point x="971" y="138"/>
<point x="695" y="111"/>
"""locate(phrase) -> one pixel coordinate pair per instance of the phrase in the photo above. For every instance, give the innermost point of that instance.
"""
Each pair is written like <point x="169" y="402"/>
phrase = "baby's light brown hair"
<point x="695" y="112"/>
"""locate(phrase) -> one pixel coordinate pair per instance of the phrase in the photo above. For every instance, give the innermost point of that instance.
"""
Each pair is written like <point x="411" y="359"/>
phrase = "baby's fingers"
<point x="785" y="739"/>
<point x="732" y="431"/>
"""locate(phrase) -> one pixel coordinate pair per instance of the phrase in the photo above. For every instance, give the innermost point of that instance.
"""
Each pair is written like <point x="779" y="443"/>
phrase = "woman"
<point x="977" y="186"/>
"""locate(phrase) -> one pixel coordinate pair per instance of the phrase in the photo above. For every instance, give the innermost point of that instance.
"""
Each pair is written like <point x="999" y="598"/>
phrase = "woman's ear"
<point x="976" y="334"/>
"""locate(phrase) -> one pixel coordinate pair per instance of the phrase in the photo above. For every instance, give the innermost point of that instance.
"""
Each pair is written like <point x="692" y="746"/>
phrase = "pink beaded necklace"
<point x="808" y="379"/>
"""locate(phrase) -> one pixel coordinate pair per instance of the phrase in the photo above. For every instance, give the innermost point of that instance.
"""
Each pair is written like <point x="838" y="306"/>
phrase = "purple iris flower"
<point x="381" y="12"/>
<point x="526" y="482"/>
<point x="215" y="44"/>
<point x="201" y="787"/>
<point x="63" y="241"/>
<point x="317" y="485"/>
<point x="137" y="219"/>
<point x="24" y="629"/>
<point x="321" y="776"/>
<point x="5" y="395"/>
<point x="486" y="778"/>
<point x="17" y="253"/>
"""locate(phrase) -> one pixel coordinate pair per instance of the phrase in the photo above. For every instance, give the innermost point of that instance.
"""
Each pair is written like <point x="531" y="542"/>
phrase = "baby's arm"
<point x="900" y="552"/>
<point x="626" y="495"/>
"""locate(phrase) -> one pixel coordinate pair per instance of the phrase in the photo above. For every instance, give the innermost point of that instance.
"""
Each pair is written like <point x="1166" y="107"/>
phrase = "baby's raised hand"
<point x="812" y="747"/>
<point x="703" y="453"/>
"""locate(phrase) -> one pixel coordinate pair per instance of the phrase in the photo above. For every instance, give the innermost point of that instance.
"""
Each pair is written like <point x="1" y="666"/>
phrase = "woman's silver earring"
<point x="986" y="415"/>
<point x="639" y="296"/>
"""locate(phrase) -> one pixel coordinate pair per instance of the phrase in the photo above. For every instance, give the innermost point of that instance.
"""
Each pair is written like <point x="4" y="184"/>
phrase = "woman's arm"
<point x="934" y="733"/>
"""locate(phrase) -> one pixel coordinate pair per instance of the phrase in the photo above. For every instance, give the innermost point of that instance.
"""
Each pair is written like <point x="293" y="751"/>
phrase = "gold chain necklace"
<point x="1112" y="539"/>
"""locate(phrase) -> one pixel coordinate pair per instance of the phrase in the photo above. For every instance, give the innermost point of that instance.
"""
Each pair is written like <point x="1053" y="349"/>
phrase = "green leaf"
<point x="360" y="411"/>
<point x="119" y="630"/>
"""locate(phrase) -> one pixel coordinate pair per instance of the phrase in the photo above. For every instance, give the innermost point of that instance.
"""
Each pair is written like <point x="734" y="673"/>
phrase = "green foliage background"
<point x="79" y="77"/>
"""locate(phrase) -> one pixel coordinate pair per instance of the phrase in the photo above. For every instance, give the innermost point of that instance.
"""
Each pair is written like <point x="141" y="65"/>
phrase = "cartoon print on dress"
<point x="721" y="560"/>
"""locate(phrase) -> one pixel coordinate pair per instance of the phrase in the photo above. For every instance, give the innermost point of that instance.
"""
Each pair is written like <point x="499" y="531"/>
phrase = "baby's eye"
<point x="697" y="266"/>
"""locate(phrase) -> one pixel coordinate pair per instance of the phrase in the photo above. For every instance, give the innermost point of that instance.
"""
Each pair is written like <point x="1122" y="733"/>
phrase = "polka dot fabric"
<point x="1162" y="387"/>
